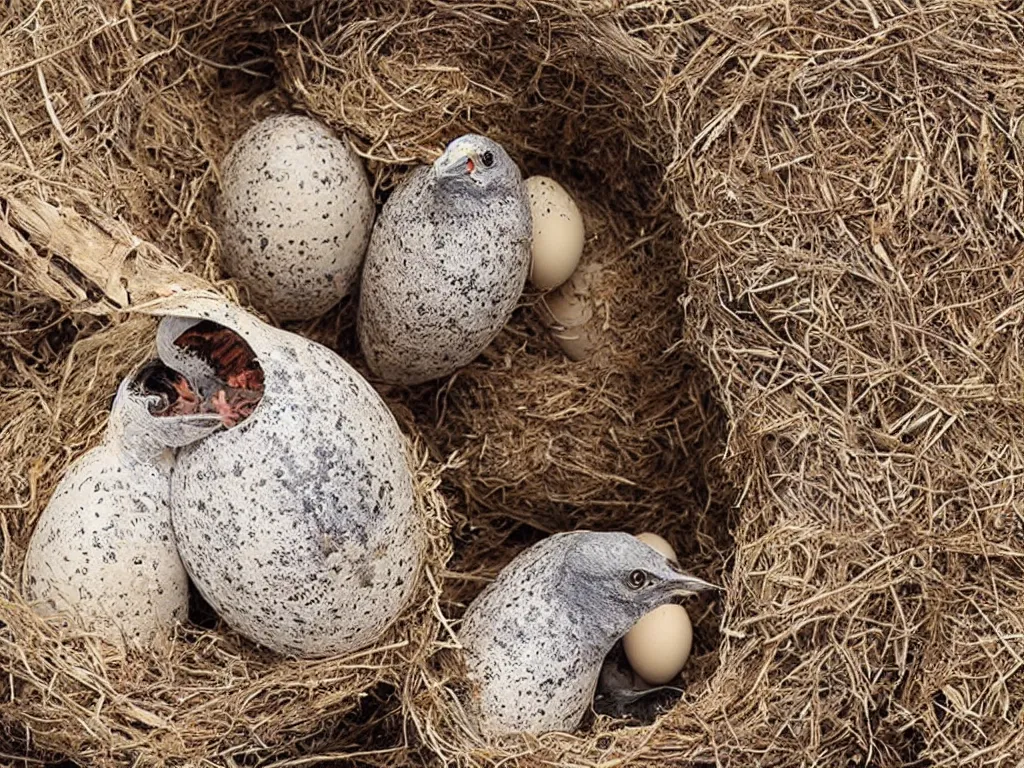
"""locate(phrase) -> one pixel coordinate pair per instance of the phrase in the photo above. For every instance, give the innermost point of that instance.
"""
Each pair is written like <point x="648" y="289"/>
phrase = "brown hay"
<point x="812" y="384"/>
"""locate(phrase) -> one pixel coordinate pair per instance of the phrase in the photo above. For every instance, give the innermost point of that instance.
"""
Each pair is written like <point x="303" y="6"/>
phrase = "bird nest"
<point x="809" y="225"/>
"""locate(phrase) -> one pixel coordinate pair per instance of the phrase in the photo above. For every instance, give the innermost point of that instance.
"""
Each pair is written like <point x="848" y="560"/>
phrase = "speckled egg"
<point x="103" y="552"/>
<point x="446" y="265"/>
<point x="558" y="233"/>
<point x="298" y="525"/>
<point x="294" y="216"/>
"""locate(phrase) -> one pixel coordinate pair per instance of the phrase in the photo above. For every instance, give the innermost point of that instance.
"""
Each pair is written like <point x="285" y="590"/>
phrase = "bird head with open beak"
<point x="478" y="163"/>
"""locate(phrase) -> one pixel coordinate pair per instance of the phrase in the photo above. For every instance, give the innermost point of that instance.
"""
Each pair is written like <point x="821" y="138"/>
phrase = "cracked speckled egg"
<point x="103" y="552"/>
<point x="298" y="525"/>
<point x="558" y="233"/>
<point x="294" y="216"/>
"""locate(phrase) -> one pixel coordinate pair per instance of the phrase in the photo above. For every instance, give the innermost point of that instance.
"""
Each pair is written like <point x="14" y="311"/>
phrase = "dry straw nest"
<point x="811" y="222"/>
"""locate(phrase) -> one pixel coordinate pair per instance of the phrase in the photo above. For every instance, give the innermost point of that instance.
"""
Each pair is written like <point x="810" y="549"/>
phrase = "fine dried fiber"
<point x="809" y="220"/>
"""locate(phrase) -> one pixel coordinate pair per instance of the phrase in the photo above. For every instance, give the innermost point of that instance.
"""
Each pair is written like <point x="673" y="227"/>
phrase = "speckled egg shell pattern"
<point x="439" y="284"/>
<point x="298" y="525"/>
<point x="295" y="215"/>
<point x="525" y="654"/>
<point x="104" y="549"/>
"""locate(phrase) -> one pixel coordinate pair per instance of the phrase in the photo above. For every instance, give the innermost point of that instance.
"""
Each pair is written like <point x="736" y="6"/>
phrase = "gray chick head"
<point x="476" y="165"/>
<point x="618" y="579"/>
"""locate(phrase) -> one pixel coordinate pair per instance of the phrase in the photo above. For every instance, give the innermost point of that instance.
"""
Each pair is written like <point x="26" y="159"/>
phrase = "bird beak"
<point x="455" y="162"/>
<point x="684" y="584"/>
<point x="691" y="585"/>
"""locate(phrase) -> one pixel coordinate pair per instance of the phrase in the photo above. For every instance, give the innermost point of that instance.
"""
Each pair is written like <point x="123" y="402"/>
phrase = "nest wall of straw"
<point x="811" y="227"/>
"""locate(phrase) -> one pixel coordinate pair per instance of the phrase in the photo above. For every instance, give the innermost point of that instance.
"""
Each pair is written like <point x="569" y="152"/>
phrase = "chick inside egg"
<point x="231" y="387"/>
<point x="238" y="375"/>
<point x="176" y="396"/>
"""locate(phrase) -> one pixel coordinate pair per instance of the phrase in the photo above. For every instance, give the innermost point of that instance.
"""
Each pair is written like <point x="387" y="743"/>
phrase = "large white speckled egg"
<point x="298" y="525"/>
<point x="103" y="552"/>
<point x="294" y="216"/>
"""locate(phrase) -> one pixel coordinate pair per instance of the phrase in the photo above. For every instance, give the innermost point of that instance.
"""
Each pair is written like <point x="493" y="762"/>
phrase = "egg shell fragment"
<point x="659" y="645"/>
<point x="294" y="216"/>
<point x="569" y="314"/>
<point x="299" y="525"/>
<point x="558" y="233"/>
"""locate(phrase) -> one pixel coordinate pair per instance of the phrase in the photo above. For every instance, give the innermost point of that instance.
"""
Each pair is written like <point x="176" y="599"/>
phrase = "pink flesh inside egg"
<point x="238" y="375"/>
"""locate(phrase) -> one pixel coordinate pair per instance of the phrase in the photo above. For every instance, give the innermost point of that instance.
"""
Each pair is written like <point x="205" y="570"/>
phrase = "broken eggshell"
<point x="298" y="526"/>
<point x="103" y="550"/>
<point x="568" y="312"/>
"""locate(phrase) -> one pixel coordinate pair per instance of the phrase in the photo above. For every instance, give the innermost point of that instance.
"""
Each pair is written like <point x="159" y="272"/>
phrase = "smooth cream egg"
<point x="558" y="233"/>
<point x="568" y="313"/>
<point x="659" y="645"/>
<point x="656" y="542"/>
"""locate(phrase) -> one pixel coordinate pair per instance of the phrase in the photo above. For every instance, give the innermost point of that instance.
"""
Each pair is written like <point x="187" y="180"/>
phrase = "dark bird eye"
<point x="488" y="158"/>
<point x="637" y="579"/>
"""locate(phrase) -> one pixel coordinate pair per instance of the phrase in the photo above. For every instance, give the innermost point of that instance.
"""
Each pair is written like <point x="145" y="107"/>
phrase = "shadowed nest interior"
<point x="810" y="221"/>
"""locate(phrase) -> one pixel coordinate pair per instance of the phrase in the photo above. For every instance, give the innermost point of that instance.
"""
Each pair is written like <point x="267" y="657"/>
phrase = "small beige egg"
<point x="656" y="542"/>
<point x="558" y="233"/>
<point x="569" y="314"/>
<point x="658" y="645"/>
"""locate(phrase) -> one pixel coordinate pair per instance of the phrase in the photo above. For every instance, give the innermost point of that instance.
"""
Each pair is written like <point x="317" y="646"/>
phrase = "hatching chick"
<point x="446" y="265"/>
<point x="536" y="638"/>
